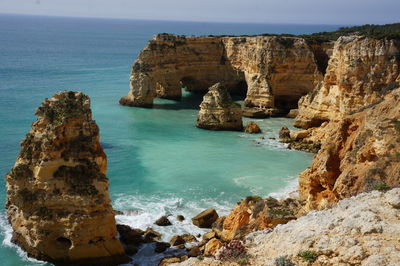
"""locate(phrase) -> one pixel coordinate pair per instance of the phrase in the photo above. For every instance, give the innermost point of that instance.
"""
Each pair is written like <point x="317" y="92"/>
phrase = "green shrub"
<point x="381" y="187"/>
<point x="308" y="255"/>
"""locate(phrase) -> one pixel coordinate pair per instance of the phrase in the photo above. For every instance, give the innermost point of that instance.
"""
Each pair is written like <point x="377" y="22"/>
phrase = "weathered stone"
<point x="205" y="219"/>
<point x="163" y="221"/>
<point x="218" y="111"/>
<point x="359" y="153"/>
<point x="58" y="202"/>
<point x="212" y="247"/>
<point x="151" y="236"/>
<point x="252" y="128"/>
<point x="299" y="134"/>
<point x="177" y="240"/>
<point x="360" y="71"/>
<point x="284" y="135"/>
<point x="194" y="251"/>
<point x="254" y="213"/>
<point x="209" y="235"/>
<point x="276" y="70"/>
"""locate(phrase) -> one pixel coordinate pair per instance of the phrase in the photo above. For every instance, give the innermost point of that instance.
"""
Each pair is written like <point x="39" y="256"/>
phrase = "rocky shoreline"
<point x="349" y="113"/>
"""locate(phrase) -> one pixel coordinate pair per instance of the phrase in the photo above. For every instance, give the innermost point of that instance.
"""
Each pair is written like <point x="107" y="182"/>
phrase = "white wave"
<point x="6" y="231"/>
<point x="290" y="190"/>
<point x="148" y="209"/>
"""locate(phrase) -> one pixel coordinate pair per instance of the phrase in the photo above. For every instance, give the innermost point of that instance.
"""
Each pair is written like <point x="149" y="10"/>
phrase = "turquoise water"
<point x="159" y="162"/>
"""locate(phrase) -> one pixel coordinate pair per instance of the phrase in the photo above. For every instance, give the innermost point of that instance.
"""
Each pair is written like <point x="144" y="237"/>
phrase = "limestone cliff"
<point x="57" y="192"/>
<point x="359" y="153"/>
<point x="218" y="111"/>
<point x="273" y="72"/>
<point x="360" y="71"/>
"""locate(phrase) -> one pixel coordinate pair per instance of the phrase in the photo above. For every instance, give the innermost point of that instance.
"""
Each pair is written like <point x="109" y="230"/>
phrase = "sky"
<point x="350" y="12"/>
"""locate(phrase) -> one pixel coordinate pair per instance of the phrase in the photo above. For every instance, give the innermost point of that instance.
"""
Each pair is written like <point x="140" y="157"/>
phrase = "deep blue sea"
<point x="158" y="161"/>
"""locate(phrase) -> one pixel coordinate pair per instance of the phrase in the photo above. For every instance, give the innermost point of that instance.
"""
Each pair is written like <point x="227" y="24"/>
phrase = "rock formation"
<point x="362" y="230"/>
<point x="57" y="192"/>
<point x="273" y="71"/>
<point x="252" y="128"/>
<point x="218" y="111"/>
<point x="359" y="73"/>
<point x="254" y="213"/>
<point x="205" y="219"/>
<point x="359" y="153"/>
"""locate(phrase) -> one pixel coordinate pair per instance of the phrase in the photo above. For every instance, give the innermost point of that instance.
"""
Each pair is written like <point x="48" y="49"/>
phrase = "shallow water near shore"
<point x="159" y="163"/>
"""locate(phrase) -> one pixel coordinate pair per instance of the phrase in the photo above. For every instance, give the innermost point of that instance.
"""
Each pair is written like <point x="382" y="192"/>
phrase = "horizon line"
<point x="190" y="21"/>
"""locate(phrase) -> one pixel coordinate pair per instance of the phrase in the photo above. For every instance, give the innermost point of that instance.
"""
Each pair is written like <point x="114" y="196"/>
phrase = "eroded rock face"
<point x="359" y="153"/>
<point x="57" y="192"/>
<point x="273" y="72"/>
<point x="218" y="111"/>
<point x="360" y="72"/>
<point x="254" y="213"/>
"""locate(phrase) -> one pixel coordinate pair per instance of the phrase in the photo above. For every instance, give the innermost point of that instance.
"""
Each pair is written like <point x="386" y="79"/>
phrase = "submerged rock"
<point x="252" y="128"/>
<point x="57" y="192"/>
<point x="218" y="111"/>
<point x="205" y="219"/>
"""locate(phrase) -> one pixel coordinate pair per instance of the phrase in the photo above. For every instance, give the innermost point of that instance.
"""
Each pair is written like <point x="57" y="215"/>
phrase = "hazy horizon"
<point x="339" y="12"/>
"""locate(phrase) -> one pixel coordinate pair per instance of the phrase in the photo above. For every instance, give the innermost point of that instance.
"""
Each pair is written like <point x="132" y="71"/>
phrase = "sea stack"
<point x="58" y="202"/>
<point x="218" y="111"/>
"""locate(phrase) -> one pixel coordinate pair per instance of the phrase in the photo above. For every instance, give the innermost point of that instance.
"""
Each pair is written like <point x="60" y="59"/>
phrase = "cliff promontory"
<point x="360" y="72"/>
<point x="272" y="71"/>
<point x="58" y="202"/>
<point x="359" y="153"/>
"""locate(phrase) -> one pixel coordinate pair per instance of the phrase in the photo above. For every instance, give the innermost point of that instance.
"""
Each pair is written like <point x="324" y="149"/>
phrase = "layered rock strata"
<point x="273" y="72"/>
<point x="58" y="202"/>
<point x="218" y="111"/>
<point x="359" y="73"/>
<point x="359" y="153"/>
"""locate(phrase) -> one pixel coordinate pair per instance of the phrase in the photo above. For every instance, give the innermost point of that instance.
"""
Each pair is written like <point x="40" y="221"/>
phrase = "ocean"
<point x="159" y="163"/>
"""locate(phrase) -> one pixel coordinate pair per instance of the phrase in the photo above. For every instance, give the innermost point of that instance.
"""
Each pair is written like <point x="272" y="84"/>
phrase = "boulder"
<point x="284" y="135"/>
<point x="163" y="221"/>
<point x="299" y="134"/>
<point x="212" y="247"/>
<point x="151" y="236"/>
<point x="218" y="111"/>
<point x="177" y="240"/>
<point x="194" y="251"/>
<point x="205" y="219"/>
<point x="129" y="235"/>
<point x="209" y="235"/>
<point x="180" y="218"/>
<point x="252" y="128"/>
